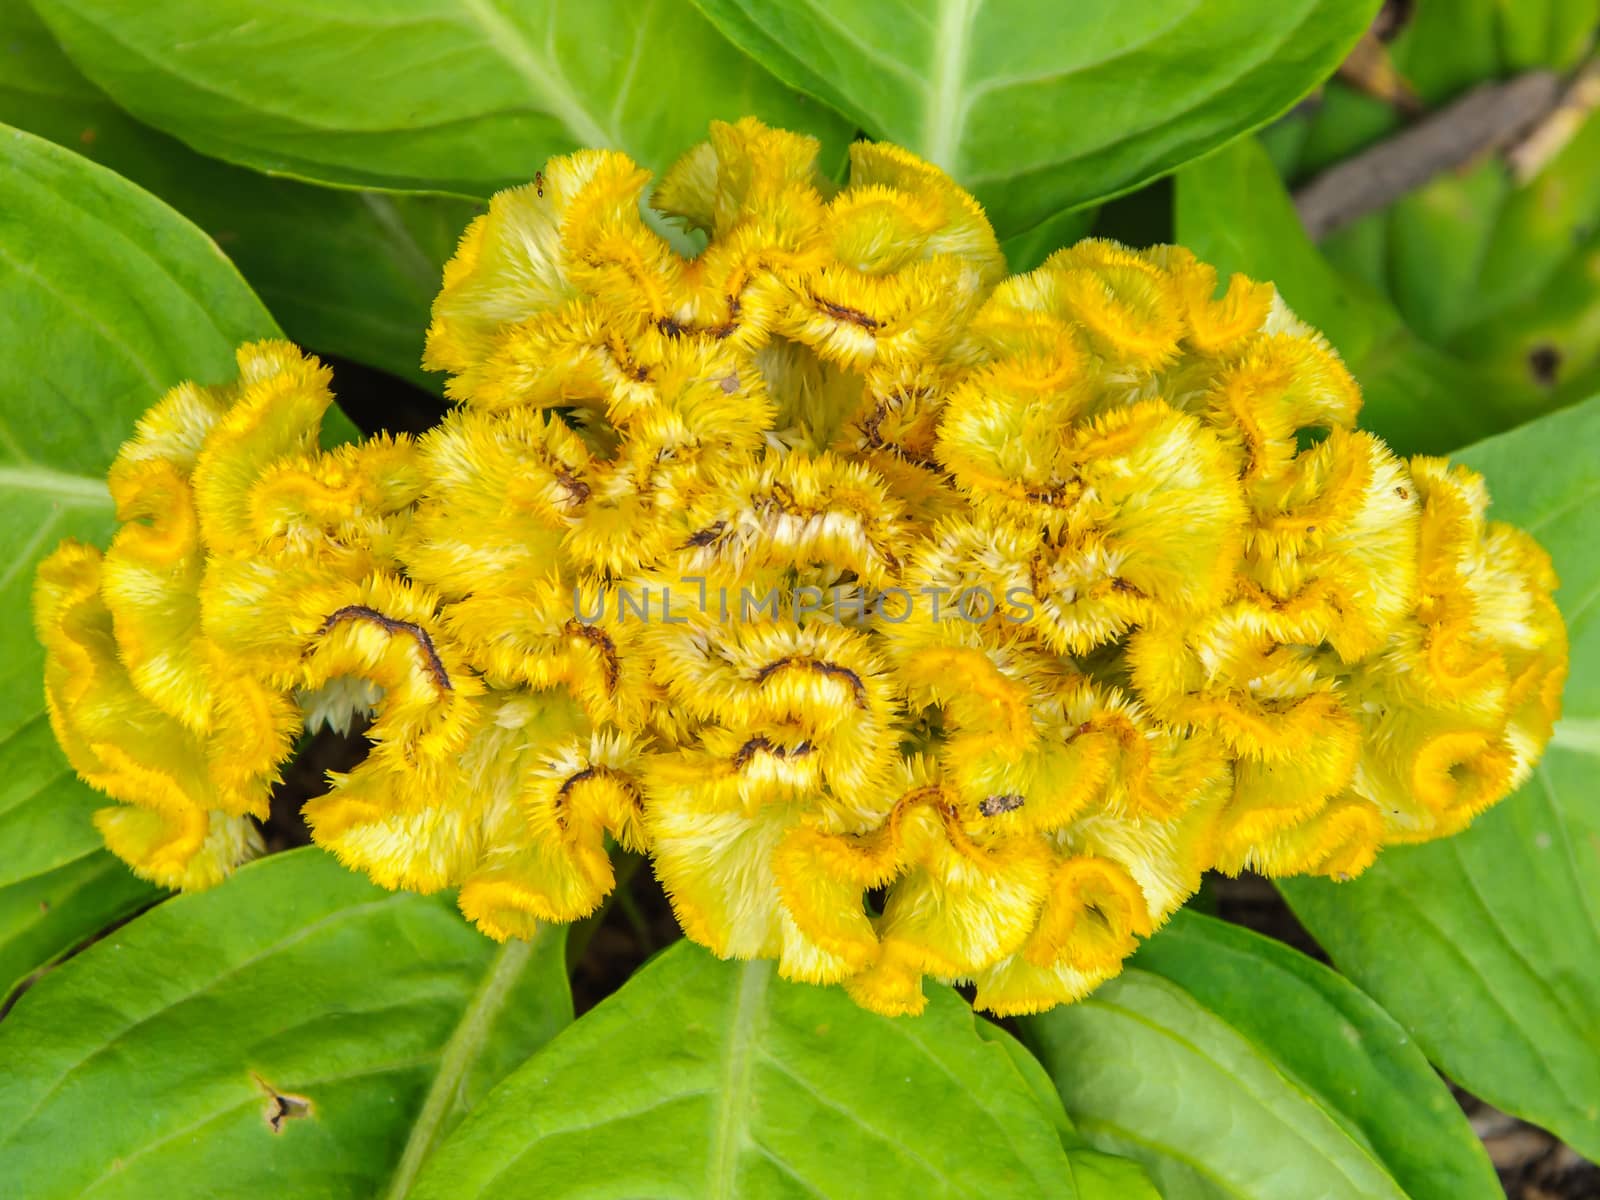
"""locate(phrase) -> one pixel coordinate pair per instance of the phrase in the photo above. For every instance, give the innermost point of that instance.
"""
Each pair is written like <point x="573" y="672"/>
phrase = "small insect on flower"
<point x="915" y="619"/>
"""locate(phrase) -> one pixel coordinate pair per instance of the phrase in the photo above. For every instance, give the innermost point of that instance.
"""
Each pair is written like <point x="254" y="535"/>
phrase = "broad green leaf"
<point x="1233" y="211"/>
<point x="704" y="1080"/>
<point x="107" y="298"/>
<point x="461" y="96"/>
<point x="1027" y="250"/>
<point x="1095" y="1174"/>
<point x="44" y="916"/>
<point x="1148" y="1069"/>
<point x="1335" y="1042"/>
<point x="1100" y="1176"/>
<point x="1485" y="945"/>
<point x="294" y="1032"/>
<point x="345" y="273"/>
<point x="1040" y="107"/>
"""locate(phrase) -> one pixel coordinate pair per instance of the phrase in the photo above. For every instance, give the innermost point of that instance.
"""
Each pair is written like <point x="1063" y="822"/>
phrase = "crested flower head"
<point x="914" y="619"/>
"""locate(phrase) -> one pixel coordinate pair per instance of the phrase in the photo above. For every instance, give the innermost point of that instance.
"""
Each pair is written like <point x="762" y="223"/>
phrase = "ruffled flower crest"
<point x="914" y="619"/>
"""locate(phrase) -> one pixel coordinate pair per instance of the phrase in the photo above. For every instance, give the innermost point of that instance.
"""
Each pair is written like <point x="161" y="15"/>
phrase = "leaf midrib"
<point x="510" y="44"/>
<point x="457" y="1059"/>
<point x="77" y="491"/>
<point x="942" y="122"/>
<point x="731" y="1112"/>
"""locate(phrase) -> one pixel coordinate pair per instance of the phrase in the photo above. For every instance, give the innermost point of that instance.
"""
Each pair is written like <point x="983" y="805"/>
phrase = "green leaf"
<point x="1148" y="1069"/>
<point x="1095" y="1174"/>
<point x="462" y="96"/>
<point x="44" y="916"/>
<point x="702" y="1079"/>
<point x="346" y="273"/>
<point x="1449" y="45"/>
<point x="1028" y="250"/>
<point x="1232" y="210"/>
<point x="1443" y="48"/>
<point x="1424" y="252"/>
<point x="1332" y="126"/>
<point x="1495" y="272"/>
<point x="107" y="298"/>
<point x="1484" y="945"/>
<point x="1541" y="244"/>
<point x="1337" y="1043"/>
<point x="1100" y="1176"/>
<point x="1042" y="107"/>
<point x="1501" y="274"/>
<point x="362" y="1022"/>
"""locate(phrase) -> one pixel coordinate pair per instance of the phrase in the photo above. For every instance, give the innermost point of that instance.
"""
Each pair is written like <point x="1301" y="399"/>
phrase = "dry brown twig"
<point x="1545" y="140"/>
<point x="1491" y="117"/>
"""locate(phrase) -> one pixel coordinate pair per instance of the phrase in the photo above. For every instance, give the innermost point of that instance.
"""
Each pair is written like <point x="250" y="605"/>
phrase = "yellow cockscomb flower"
<point x="914" y="620"/>
<point x="171" y="658"/>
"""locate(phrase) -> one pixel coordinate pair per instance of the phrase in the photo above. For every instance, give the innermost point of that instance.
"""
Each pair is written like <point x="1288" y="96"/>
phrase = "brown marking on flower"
<point x="625" y="781"/>
<point x="282" y="1106"/>
<point x="843" y="312"/>
<point x="675" y="328"/>
<point x="781" y="499"/>
<point x="871" y="425"/>
<point x="706" y="536"/>
<point x="832" y="670"/>
<point x="993" y="806"/>
<point x="431" y="661"/>
<point x="1036" y="580"/>
<point x="731" y="325"/>
<point x="610" y="665"/>
<point x="762" y="744"/>
<point x="624" y="362"/>
<point x="1061" y="495"/>
<point x="785" y="500"/>
<point x="629" y="786"/>
<point x="566" y="787"/>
